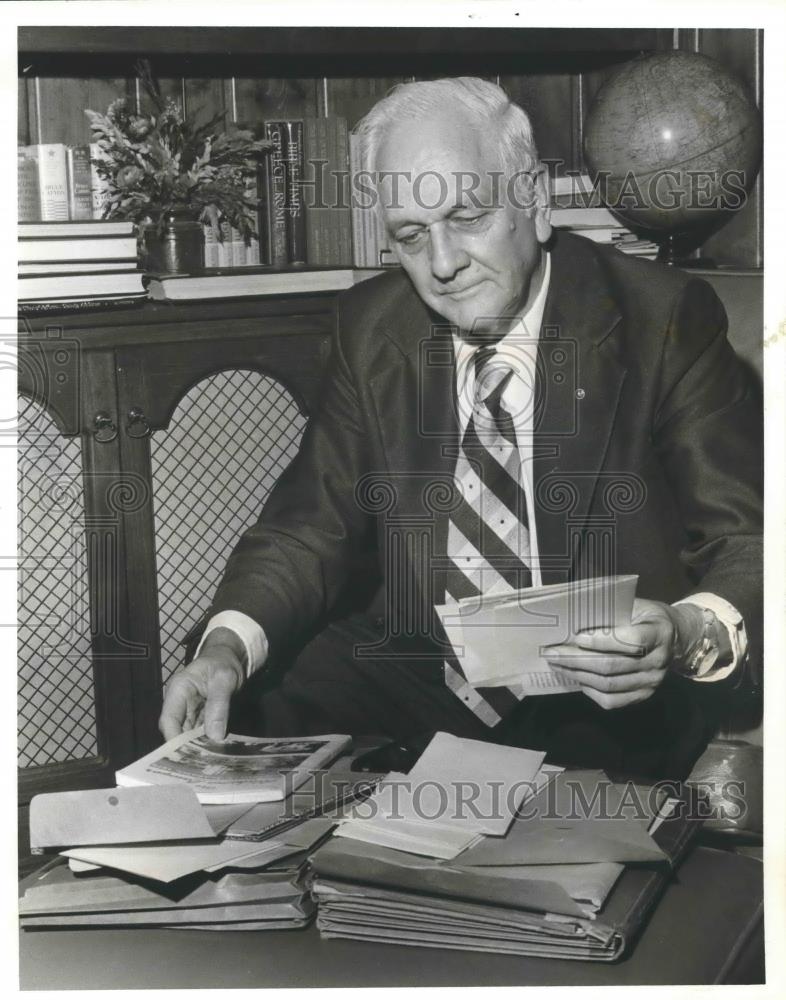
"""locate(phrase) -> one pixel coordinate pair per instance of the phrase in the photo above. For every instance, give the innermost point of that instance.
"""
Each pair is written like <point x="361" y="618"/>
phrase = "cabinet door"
<point x="75" y="727"/>
<point x="211" y="424"/>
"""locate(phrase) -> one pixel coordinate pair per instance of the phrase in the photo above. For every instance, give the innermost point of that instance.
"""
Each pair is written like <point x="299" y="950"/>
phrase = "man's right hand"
<point x="201" y="692"/>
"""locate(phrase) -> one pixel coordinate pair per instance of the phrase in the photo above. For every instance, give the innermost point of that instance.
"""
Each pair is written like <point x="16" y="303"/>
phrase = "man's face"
<point x="471" y="254"/>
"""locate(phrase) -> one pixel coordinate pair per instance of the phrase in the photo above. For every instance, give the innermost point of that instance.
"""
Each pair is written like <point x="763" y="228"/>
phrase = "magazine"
<point x="237" y="769"/>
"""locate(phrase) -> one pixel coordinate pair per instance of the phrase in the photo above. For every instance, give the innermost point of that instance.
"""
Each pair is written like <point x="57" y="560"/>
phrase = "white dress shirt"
<point x="519" y="349"/>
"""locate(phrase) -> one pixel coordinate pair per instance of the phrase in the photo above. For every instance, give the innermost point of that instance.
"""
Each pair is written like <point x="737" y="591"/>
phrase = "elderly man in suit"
<point x="513" y="407"/>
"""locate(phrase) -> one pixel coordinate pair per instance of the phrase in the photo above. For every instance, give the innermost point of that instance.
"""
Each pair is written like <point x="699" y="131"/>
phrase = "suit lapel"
<point x="579" y="380"/>
<point x="417" y="385"/>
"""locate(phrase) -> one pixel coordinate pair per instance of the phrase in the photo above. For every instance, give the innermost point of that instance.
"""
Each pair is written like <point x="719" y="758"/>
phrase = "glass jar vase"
<point x="178" y="249"/>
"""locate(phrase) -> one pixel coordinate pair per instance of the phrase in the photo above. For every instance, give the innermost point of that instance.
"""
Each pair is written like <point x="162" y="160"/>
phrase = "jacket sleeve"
<point x="288" y="569"/>
<point x="708" y="432"/>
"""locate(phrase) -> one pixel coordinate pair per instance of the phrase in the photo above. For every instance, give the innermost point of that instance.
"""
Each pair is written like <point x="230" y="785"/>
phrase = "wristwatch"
<point x="703" y="655"/>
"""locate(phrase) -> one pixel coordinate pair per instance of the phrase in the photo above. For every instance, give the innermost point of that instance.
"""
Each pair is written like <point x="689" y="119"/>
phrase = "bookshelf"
<point x="258" y="73"/>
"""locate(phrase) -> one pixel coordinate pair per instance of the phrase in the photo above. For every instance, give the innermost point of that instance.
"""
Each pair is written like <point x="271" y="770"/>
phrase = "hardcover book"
<point x="80" y="195"/>
<point x="50" y="159"/>
<point x="276" y="196"/>
<point x="238" y="769"/>
<point x="296" y="217"/>
<point x="28" y="199"/>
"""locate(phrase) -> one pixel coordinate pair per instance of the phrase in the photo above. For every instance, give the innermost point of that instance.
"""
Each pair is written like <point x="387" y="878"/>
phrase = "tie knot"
<point x="492" y="374"/>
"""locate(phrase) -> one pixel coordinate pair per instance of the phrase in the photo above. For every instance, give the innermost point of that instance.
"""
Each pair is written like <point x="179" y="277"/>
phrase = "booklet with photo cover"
<point x="237" y="769"/>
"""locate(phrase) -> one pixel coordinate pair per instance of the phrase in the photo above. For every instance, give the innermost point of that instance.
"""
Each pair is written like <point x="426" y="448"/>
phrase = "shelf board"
<point x="314" y="41"/>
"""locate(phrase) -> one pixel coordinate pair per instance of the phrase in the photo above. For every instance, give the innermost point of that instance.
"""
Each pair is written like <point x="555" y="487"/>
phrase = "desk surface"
<point x="708" y="927"/>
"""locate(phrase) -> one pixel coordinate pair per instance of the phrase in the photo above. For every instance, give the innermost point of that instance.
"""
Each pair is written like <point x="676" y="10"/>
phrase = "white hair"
<point x="486" y="105"/>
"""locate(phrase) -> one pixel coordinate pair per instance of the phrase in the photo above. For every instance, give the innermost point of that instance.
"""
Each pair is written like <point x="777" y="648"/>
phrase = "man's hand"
<point x="626" y="666"/>
<point x="202" y="691"/>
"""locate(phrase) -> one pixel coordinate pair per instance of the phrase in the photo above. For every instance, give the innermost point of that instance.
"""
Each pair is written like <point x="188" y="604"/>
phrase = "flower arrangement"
<point x="159" y="163"/>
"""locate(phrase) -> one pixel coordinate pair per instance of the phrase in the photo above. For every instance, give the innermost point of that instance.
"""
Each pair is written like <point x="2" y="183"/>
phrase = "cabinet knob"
<point x="138" y="425"/>
<point x="104" y="427"/>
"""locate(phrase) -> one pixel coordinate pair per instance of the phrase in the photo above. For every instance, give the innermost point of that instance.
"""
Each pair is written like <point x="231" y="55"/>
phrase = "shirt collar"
<point x="522" y="337"/>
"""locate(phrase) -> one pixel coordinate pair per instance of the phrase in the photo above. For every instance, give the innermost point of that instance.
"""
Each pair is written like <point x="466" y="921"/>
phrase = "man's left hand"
<point x="626" y="665"/>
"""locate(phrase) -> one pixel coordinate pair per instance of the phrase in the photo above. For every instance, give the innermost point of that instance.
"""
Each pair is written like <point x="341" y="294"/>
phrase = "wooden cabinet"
<point x="164" y="427"/>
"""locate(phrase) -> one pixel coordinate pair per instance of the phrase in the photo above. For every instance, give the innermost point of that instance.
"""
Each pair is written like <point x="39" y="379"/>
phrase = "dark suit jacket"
<point x="648" y="451"/>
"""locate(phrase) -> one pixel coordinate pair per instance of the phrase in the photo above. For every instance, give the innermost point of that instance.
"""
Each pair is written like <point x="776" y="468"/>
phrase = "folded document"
<point x="503" y="640"/>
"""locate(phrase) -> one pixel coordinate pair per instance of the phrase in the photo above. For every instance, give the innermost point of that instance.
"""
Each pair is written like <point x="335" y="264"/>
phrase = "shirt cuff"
<point x="250" y="633"/>
<point x="730" y="618"/>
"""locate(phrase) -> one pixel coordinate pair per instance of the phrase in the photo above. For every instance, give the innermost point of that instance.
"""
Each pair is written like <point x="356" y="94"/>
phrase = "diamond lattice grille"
<point x="229" y="440"/>
<point x="55" y="683"/>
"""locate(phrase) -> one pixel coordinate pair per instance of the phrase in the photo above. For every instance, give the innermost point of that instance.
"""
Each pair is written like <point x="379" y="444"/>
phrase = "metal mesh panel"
<point x="229" y="440"/>
<point x="55" y="683"/>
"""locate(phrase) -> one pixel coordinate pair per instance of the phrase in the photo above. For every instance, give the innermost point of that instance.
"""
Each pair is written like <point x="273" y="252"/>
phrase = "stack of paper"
<point x="257" y="899"/>
<point x="503" y="640"/>
<point x="458" y="791"/>
<point x="560" y="881"/>
<point x="156" y="855"/>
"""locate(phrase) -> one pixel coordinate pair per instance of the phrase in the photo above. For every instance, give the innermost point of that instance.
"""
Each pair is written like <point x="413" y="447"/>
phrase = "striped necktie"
<point x="488" y="532"/>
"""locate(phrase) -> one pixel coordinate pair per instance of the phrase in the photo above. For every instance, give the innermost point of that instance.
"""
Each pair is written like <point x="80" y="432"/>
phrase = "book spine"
<point x="356" y="213"/>
<point x="263" y="212"/>
<point x="331" y="216"/>
<point x="312" y="191"/>
<point x="296" y="219"/>
<point x="80" y="198"/>
<point x="211" y="247"/>
<point x="28" y="199"/>
<point x="252" y="252"/>
<point x="328" y="255"/>
<point x="81" y="305"/>
<point x="52" y="181"/>
<point x="339" y="187"/>
<point x="225" y="246"/>
<point x="99" y="186"/>
<point x="238" y="249"/>
<point x="277" y="195"/>
<point x="251" y="247"/>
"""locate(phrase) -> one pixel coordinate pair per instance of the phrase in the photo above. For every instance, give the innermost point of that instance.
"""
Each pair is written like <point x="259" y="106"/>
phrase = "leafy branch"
<point x="157" y="163"/>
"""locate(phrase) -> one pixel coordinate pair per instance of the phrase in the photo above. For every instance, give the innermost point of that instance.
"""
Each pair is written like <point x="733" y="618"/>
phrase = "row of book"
<point x="302" y="192"/>
<point x="85" y="263"/>
<point x="58" y="183"/>
<point x="576" y="206"/>
<point x="309" y="212"/>
<point x="66" y="266"/>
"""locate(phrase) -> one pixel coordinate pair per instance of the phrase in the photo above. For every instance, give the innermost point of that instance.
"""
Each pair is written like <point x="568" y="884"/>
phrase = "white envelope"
<point x="504" y="640"/>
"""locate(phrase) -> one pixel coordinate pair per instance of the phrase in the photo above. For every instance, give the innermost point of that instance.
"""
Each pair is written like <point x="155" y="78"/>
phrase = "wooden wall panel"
<point x="354" y="97"/>
<point x="551" y="103"/>
<point x="170" y="86"/>
<point x="258" y="100"/>
<point x="56" y="106"/>
<point x="741" y="241"/>
<point x="204" y="99"/>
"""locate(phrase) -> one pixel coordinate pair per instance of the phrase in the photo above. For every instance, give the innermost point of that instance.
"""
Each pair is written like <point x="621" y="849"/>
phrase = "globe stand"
<point x="675" y="251"/>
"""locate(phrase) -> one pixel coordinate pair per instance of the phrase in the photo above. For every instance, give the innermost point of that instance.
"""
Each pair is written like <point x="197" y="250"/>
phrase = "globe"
<point x="673" y="144"/>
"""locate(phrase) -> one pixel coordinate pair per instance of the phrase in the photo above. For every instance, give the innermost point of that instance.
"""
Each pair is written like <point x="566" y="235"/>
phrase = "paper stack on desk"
<point x="573" y="874"/>
<point x="447" y="801"/>
<point x="156" y="855"/>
